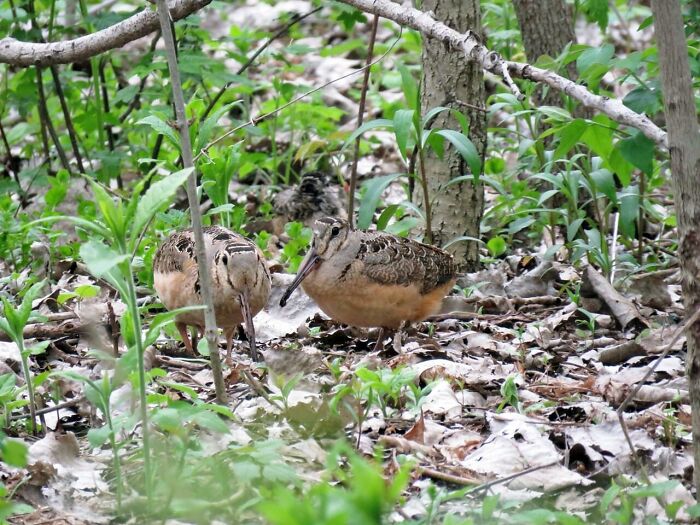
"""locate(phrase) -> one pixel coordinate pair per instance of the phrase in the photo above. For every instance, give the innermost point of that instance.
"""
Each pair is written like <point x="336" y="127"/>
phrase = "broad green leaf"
<point x="99" y="258"/>
<point x="497" y="246"/>
<point x="605" y="183"/>
<point x="403" y="129"/>
<point x="372" y="124"/>
<point x="569" y="135"/>
<point x="599" y="140"/>
<point x="207" y="127"/>
<point x="13" y="452"/>
<point x="155" y="198"/>
<point x="113" y="213"/>
<point x="466" y="148"/>
<point x="210" y="421"/>
<point x="629" y="210"/>
<point x="38" y="348"/>
<point x="596" y="11"/>
<point x="643" y="100"/>
<point x="99" y="436"/>
<point x="430" y="115"/>
<point x="639" y="151"/>
<point x="409" y="87"/>
<point x="370" y="200"/>
<point x="161" y="127"/>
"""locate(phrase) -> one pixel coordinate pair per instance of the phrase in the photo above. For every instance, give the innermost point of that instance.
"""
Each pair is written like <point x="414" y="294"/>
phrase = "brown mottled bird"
<point x="240" y="279"/>
<point x="369" y="278"/>
<point x="313" y="198"/>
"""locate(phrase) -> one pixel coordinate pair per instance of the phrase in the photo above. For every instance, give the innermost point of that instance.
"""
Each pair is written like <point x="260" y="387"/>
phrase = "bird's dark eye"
<point x="335" y="231"/>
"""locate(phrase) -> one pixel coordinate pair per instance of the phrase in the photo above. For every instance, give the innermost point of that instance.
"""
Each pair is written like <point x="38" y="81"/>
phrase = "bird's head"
<point x="329" y="236"/>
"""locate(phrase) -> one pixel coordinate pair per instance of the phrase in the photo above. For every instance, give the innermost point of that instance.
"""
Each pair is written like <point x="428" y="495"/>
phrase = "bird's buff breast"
<point x="363" y="303"/>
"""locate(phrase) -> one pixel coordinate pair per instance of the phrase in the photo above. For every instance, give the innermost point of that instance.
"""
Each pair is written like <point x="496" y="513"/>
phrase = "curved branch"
<point x="611" y="107"/>
<point x="491" y="61"/>
<point x="20" y="53"/>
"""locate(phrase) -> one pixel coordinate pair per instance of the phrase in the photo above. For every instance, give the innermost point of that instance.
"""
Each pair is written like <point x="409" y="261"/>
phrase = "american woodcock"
<point x="240" y="279"/>
<point x="369" y="278"/>
<point x="313" y="198"/>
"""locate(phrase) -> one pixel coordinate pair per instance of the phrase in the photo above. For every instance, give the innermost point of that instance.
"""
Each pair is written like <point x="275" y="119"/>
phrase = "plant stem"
<point x="426" y="198"/>
<point x="28" y="380"/>
<point x="136" y="321"/>
<point x="210" y="329"/>
<point x="360" y="118"/>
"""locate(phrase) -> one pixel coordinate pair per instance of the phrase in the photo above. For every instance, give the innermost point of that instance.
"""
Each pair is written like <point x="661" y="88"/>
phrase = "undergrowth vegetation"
<point x="91" y="183"/>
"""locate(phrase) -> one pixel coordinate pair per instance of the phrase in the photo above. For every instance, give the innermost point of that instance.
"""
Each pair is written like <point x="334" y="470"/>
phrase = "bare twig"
<point x="621" y="409"/>
<point x="46" y="119"/>
<point x="136" y="101"/>
<point x="72" y="135"/>
<point x="253" y="121"/>
<point x="282" y="31"/>
<point x="506" y="479"/>
<point x="360" y="118"/>
<point x="188" y="162"/>
<point x="449" y="478"/>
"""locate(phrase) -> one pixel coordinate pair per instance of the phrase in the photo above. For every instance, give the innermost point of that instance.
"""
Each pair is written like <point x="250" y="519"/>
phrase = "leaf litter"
<point x="516" y="336"/>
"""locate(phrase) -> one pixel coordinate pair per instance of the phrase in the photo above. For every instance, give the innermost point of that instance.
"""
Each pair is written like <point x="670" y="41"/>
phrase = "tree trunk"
<point x="450" y="80"/>
<point x="546" y="27"/>
<point x="684" y="150"/>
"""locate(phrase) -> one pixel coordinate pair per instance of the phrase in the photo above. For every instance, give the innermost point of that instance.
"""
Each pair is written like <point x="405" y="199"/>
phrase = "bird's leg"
<point x="182" y="328"/>
<point x="229" y="344"/>
<point x="195" y="338"/>
<point x="398" y="347"/>
<point x="379" y="345"/>
<point x="249" y="328"/>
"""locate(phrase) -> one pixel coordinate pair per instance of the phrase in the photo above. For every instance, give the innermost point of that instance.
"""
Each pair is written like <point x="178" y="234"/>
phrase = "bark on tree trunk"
<point x="684" y="150"/>
<point x="449" y="80"/>
<point x="546" y="27"/>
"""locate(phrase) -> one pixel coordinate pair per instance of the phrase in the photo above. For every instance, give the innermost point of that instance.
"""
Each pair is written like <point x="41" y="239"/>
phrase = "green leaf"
<point x="38" y="348"/>
<point x="642" y="100"/>
<point x="161" y="127"/>
<point x="112" y="213"/>
<point x="99" y="436"/>
<point x="569" y="135"/>
<point x="210" y="421"/>
<point x="605" y="183"/>
<point x="372" y="124"/>
<point x="629" y="210"/>
<point x="155" y="198"/>
<point x="466" y="148"/>
<point x="370" y="200"/>
<point x="428" y="118"/>
<point x="99" y="258"/>
<point x="639" y="151"/>
<point x="207" y="127"/>
<point x="14" y="452"/>
<point x="497" y="246"/>
<point x="403" y="129"/>
<point x="596" y="11"/>
<point x="203" y="347"/>
<point x="409" y="87"/>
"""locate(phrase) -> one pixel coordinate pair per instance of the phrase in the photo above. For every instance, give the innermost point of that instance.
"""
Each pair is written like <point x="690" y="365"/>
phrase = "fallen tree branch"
<point x="469" y="44"/>
<point x="20" y="53"/>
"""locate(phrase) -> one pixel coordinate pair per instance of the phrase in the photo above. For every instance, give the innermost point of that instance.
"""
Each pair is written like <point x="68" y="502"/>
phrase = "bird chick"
<point x="240" y="279"/>
<point x="368" y="278"/>
<point x="314" y="197"/>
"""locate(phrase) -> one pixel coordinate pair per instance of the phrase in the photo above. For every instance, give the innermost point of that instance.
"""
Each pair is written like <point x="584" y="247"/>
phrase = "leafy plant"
<point x="13" y="323"/>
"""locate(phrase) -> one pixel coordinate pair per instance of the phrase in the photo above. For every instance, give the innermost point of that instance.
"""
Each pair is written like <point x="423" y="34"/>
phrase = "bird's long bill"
<point x="249" y="327"/>
<point x="307" y="266"/>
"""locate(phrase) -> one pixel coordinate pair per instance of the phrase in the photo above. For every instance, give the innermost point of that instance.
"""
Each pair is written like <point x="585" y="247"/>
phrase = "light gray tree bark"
<point x="450" y="79"/>
<point x="684" y="150"/>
